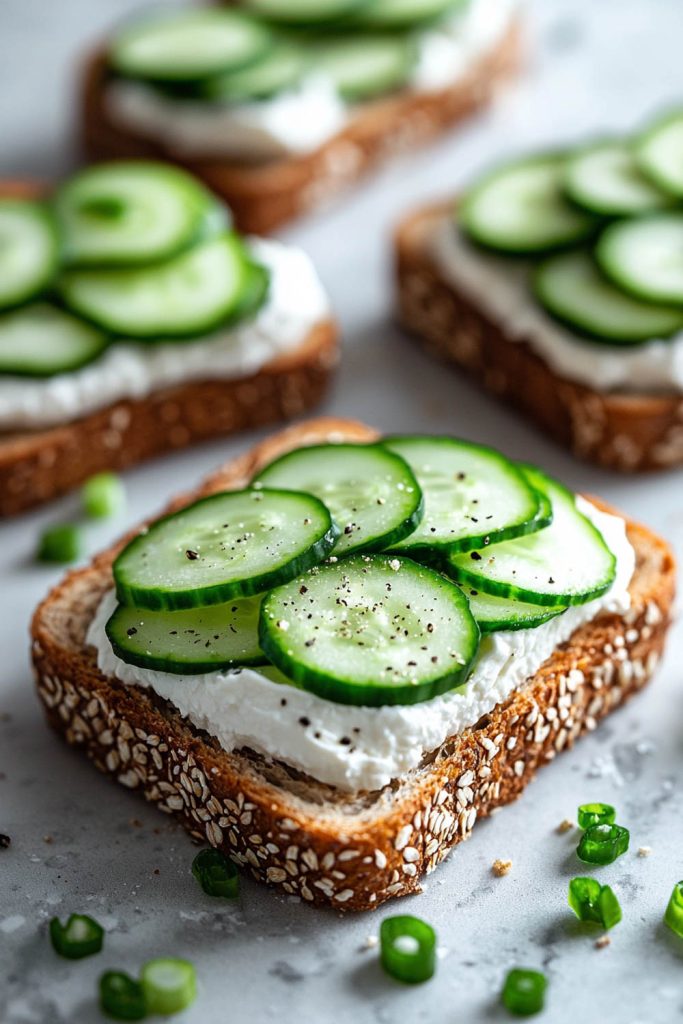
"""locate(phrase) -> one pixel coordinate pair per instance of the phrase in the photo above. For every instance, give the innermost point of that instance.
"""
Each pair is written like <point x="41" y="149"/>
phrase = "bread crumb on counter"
<point x="501" y="868"/>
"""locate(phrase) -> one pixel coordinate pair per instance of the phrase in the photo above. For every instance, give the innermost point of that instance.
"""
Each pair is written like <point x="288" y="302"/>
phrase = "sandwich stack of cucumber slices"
<point x="134" y="251"/>
<point x="366" y="574"/>
<point x="601" y="228"/>
<point x="261" y="48"/>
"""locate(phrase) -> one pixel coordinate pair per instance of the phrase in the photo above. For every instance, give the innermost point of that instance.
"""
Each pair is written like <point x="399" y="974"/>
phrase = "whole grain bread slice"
<point x="38" y="465"/>
<point x="265" y="195"/>
<point x="350" y="851"/>
<point x="624" y="431"/>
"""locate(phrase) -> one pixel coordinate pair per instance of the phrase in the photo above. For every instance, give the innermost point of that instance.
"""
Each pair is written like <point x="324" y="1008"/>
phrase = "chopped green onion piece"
<point x="80" y="936"/>
<point x="121" y="996"/>
<point x="592" y="901"/>
<point x="62" y="543"/>
<point x="674" y="912"/>
<point x="596" y="814"/>
<point x="216" y="874"/>
<point x="602" y="844"/>
<point x="169" y="985"/>
<point x="524" y="992"/>
<point x="105" y="207"/>
<point x="408" y="948"/>
<point x="103" y="495"/>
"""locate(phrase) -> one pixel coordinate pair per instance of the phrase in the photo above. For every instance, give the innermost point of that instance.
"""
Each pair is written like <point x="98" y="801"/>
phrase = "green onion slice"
<point x="62" y="544"/>
<point x="602" y="844"/>
<point x="592" y="901"/>
<point x="596" y="814"/>
<point x="121" y="996"/>
<point x="408" y="948"/>
<point x="103" y="495"/>
<point x="80" y="936"/>
<point x="674" y="912"/>
<point x="216" y="874"/>
<point x="169" y="985"/>
<point x="524" y="992"/>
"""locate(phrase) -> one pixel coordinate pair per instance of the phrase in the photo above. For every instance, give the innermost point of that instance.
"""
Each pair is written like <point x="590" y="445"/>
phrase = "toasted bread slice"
<point x="628" y="432"/>
<point x="264" y="196"/>
<point x="327" y="846"/>
<point x="38" y="465"/>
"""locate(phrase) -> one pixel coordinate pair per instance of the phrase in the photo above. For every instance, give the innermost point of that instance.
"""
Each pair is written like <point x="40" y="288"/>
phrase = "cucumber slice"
<point x="232" y="544"/>
<point x="189" y="295"/>
<point x="496" y="613"/>
<point x="303" y="12"/>
<point x="572" y="289"/>
<point x="371" y="493"/>
<point x="659" y="152"/>
<point x="544" y="516"/>
<point x="521" y="208"/>
<point x="190" y="642"/>
<point x="188" y="45"/>
<point x="404" y="14"/>
<point x="41" y="340"/>
<point x="133" y="212"/>
<point x="362" y="67"/>
<point x="567" y="563"/>
<point x="644" y="256"/>
<point x="281" y="68"/>
<point x="254" y="292"/>
<point x="605" y="179"/>
<point x="473" y="495"/>
<point x="29" y="250"/>
<point x="370" y="630"/>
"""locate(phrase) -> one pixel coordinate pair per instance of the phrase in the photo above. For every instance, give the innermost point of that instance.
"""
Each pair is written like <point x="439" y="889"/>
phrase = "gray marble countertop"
<point x="79" y="843"/>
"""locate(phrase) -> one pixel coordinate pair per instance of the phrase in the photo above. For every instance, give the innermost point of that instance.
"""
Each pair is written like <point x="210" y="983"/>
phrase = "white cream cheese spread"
<point x="296" y="121"/>
<point x="296" y="302"/>
<point x="361" y="747"/>
<point x="301" y="119"/>
<point x="500" y="288"/>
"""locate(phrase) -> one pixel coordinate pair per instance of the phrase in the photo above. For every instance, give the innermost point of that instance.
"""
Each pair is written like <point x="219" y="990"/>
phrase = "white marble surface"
<point x="595" y="65"/>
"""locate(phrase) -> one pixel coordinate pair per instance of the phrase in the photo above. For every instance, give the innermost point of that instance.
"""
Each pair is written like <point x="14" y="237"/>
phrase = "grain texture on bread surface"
<point x="265" y="195"/>
<point x="623" y="431"/>
<point x="36" y="466"/>
<point x="350" y="851"/>
<point x="39" y="465"/>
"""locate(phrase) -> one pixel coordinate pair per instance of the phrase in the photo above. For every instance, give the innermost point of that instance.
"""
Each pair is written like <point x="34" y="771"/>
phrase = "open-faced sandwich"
<point x="134" y="319"/>
<point x="557" y="282"/>
<point x="342" y="650"/>
<point x="279" y="104"/>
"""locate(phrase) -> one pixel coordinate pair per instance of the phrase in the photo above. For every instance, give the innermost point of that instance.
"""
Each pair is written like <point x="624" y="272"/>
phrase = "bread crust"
<point x="629" y="432"/>
<point x="38" y="465"/>
<point x="348" y="851"/>
<point x="264" y="196"/>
